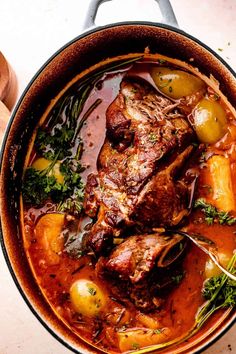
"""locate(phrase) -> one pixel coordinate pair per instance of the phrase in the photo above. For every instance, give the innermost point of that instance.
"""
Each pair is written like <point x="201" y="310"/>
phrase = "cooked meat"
<point x="135" y="257"/>
<point x="138" y="176"/>
<point x="143" y="268"/>
<point x="162" y="201"/>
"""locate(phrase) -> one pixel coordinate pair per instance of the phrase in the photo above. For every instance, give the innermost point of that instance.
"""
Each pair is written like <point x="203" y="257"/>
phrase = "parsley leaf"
<point x="40" y="186"/>
<point x="36" y="186"/>
<point x="153" y="138"/>
<point x="135" y="346"/>
<point x="177" y="278"/>
<point x="212" y="213"/>
<point x="220" y="292"/>
<point x="92" y="291"/>
<point x="158" y="331"/>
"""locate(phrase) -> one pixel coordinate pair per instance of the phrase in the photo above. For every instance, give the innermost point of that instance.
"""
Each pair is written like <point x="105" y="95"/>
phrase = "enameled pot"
<point x="81" y="53"/>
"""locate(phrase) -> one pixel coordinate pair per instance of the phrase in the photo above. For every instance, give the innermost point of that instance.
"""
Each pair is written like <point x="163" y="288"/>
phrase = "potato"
<point x="210" y="121"/>
<point x="221" y="182"/>
<point x="57" y="173"/>
<point x="148" y="321"/>
<point x="211" y="269"/>
<point x="140" y="338"/>
<point x="48" y="235"/>
<point x="41" y="164"/>
<point x="176" y="83"/>
<point x="87" y="297"/>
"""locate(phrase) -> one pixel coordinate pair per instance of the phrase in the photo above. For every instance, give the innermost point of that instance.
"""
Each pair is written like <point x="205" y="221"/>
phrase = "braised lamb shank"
<point x="139" y="166"/>
<point x="147" y="265"/>
<point x="134" y="258"/>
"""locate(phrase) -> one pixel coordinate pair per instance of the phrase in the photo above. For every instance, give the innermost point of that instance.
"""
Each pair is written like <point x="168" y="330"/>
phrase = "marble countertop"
<point x="30" y="32"/>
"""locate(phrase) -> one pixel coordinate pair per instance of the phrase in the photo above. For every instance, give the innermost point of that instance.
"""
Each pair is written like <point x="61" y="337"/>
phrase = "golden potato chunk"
<point x="87" y="297"/>
<point x="48" y="235"/>
<point x="176" y="83"/>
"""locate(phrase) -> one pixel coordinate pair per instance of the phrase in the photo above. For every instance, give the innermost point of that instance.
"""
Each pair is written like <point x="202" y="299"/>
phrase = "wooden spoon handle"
<point x="4" y="117"/>
<point x="4" y="77"/>
<point x="8" y="83"/>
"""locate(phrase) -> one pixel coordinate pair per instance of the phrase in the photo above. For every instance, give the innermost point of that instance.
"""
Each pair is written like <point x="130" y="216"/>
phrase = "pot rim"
<point x="84" y="34"/>
<point x="94" y="30"/>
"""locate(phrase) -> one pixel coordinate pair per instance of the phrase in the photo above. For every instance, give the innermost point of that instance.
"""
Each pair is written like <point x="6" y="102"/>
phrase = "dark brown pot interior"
<point x="81" y="53"/>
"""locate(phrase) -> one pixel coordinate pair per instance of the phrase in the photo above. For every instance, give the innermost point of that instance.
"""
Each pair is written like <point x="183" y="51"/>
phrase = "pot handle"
<point x="164" y="5"/>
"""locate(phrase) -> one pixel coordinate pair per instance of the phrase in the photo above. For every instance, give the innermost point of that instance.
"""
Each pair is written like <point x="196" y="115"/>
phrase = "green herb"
<point x="208" y="188"/>
<point x="213" y="214"/>
<point x="153" y="138"/>
<point x="177" y="278"/>
<point x="225" y="218"/>
<point x="135" y="346"/>
<point x="161" y="61"/>
<point x="220" y="49"/>
<point x="203" y="157"/>
<point x="194" y="144"/>
<point x="40" y="186"/>
<point x="158" y="331"/>
<point x="92" y="291"/>
<point x="220" y="292"/>
<point x="61" y="139"/>
<point x="74" y="203"/>
<point x="102" y="188"/>
<point x="216" y="97"/>
<point x="170" y="89"/>
<point x="35" y="186"/>
<point x="134" y="90"/>
<point x="165" y="84"/>
<point x="57" y="137"/>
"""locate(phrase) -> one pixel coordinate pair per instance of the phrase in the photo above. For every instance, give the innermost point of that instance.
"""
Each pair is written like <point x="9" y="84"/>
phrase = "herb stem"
<point x="85" y="116"/>
<point x="79" y="151"/>
<point x="50" y="167"/>
<point x="210" y="306"/>
<point x="52" y="121"/>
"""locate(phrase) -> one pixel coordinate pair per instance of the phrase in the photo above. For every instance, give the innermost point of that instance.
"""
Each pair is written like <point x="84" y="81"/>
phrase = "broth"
<point x="97" y="304"/>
